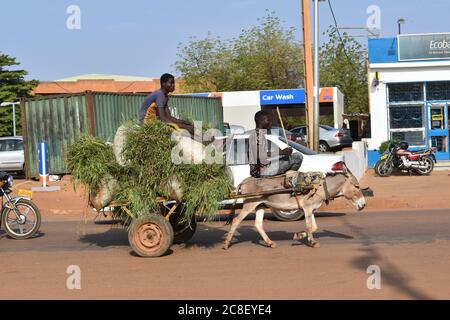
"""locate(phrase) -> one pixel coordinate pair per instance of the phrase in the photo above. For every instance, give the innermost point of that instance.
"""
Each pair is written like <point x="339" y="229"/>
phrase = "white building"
<point x="409" y="80"/>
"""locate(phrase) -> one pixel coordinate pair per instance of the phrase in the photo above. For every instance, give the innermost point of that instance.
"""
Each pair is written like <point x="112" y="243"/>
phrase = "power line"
<point x="340" y="38"/>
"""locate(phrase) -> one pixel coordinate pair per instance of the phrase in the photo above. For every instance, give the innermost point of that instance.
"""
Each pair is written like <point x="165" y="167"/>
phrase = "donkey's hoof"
<point x="298" y="236"/>
<point x="225" y="246"/>
<point x="272" y="244"/>
<point x="314" y="244"/>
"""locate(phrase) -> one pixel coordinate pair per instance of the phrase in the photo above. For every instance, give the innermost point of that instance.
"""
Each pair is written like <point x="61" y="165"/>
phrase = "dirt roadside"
<point x="392" y="193"/>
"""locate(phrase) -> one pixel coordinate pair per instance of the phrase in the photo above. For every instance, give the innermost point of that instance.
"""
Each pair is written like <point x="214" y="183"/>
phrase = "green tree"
<point x="13" y="86"/>
<point x="343" y="64"/>
<point x="266" y="56"/>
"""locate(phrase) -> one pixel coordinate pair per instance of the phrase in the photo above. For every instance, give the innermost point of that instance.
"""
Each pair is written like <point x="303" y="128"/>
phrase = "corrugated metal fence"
<point x="61" y="120"/>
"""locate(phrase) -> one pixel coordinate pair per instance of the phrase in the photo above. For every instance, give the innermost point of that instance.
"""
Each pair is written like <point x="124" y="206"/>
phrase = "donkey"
<point x="332" y="186"/>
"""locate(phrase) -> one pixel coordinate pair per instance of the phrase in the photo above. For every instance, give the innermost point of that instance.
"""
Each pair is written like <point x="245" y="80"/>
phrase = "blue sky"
<point x="140" y="37"/>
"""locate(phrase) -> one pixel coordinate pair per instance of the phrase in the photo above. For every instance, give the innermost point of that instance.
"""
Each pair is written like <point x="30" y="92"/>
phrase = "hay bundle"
<point x="147" y="171"/>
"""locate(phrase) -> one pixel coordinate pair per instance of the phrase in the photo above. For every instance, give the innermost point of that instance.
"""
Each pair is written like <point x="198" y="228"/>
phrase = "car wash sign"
<point x="278" y="97"/>
<point x="424" y="46"/>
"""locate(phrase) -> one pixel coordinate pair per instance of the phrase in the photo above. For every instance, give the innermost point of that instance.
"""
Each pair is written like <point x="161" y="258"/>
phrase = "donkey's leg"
<point x="299" y="236"/>
<point x="259" y="226"/>
<point x="247" y="208"/>
<point x="311" y="226"/>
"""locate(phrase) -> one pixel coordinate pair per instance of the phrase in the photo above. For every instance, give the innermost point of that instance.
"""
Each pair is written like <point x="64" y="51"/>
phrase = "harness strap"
<point x="327" y="193"/>
<point x="296" y="199"/>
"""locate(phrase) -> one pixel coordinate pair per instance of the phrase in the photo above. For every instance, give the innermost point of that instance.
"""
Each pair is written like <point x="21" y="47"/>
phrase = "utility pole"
<point x="308" y="72"/>
<point x="316" y="77"/>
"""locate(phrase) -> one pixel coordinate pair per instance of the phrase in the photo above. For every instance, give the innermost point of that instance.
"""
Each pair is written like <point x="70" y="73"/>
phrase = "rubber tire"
<point x="323" y="145"/>
<point x="377" y="169"/>
<point x="165" y="228"/>
<point x="35" y="228"/>
<point x="420" y="172"/>
<point x="294" y="215"/>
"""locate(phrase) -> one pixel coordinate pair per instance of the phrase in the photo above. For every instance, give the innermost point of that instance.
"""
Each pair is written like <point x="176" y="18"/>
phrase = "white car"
<point x="11" y="154"/>
<point x="237" y="161"/>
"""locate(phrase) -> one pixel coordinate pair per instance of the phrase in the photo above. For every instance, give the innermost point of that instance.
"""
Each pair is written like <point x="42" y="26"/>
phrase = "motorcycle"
<point x="20" y="217"/>
<point x="399" y="157"/>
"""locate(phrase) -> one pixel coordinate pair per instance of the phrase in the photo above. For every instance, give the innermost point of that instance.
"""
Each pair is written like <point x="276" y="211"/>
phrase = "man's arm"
<point x="165" y="116"/>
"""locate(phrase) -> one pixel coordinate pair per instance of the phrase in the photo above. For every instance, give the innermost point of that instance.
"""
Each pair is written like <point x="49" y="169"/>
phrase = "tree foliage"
<point x="343" y="64"/>
<point x="13" y="86"/>
<point x="266" y="56"/>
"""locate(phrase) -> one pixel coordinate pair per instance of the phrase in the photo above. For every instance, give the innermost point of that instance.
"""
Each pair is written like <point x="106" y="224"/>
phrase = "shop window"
<point x="414" y="138"/>
<point x="404" y="92"/>
<point x="402" y="117"/>
<point x="438" y="90"/>
<point x="407" y="123"/>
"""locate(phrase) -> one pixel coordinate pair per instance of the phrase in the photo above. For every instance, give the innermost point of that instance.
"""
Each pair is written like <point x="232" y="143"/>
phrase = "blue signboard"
<point x="278" y="97"/>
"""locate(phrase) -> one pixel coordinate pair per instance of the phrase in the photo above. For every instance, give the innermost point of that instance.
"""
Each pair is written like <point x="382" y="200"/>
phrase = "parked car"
<point x="238" y="163"/>
<point x="11" y="154"/>
<point x="329" y="137"/>
<point x="233" y="129"/>
<point x="296" y="137"/>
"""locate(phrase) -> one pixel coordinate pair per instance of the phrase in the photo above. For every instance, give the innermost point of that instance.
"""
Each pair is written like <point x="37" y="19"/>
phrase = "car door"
<point x="11" y="155"/>
<point x="237" y="159"/>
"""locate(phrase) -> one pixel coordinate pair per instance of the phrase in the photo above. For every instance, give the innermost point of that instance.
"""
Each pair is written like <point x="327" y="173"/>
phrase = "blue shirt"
<point x="157" y="97"/>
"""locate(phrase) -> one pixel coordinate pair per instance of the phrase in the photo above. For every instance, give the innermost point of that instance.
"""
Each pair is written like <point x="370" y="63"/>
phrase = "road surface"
<point x="410" y="248"/>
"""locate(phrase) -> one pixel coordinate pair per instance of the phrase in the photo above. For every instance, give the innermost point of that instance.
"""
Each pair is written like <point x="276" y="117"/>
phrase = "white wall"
<point x="397" y="72"/>
<point x="356" y="159"/>
<point x="239" y="108"/>
<point x="338" y="107"/>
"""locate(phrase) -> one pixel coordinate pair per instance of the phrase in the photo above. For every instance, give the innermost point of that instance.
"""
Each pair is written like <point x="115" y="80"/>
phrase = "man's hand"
<point x="286" y="152"/>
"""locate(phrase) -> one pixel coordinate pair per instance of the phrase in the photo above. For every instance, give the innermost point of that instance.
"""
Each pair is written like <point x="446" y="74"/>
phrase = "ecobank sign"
<point x="274" y="97"/>
<point x="424" y="46"/>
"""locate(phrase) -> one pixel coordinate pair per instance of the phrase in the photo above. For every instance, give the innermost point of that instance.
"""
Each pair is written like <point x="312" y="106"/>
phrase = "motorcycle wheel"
<point x="383" y="169"/>
<point x="28" y="225"/>
<point x="430" y="166"/>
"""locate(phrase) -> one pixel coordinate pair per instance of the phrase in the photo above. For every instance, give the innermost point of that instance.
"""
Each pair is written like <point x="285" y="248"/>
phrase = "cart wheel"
<point x="150" y="236"/>
<point x="183" y="232"/>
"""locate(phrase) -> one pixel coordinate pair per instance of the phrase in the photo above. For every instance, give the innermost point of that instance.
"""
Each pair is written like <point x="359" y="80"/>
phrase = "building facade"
<point x="409" y="92"/>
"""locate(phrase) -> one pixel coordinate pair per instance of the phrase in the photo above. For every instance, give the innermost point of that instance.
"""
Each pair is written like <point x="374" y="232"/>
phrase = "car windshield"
<point x="299" y="147"/>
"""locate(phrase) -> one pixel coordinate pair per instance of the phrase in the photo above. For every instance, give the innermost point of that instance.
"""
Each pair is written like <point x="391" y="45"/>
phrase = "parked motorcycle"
<point x="399" y="157"/>
<point x="20" y="217"/>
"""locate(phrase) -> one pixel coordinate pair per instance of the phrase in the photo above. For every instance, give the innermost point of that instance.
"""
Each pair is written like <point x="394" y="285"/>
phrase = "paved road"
<point x="411" y="248"/>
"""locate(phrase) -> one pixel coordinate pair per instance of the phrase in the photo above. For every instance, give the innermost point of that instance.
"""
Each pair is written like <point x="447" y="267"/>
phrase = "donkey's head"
<point x="353" y="192"/>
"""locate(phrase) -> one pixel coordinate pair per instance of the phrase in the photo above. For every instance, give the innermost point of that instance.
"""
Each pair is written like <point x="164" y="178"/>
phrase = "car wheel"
<point x="323" y="146"/>
<point x="283" y="215"/>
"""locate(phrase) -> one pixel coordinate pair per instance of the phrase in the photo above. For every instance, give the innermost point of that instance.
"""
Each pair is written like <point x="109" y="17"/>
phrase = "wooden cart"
<point x="152" y="235"/>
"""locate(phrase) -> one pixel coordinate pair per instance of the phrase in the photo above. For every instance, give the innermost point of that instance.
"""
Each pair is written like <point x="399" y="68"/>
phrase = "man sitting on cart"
<point x="156" y="106"/>
<point x="266" y="161"/>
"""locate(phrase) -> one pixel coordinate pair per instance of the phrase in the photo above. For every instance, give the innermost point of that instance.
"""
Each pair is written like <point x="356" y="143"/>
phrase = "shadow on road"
<point x="110" y="238"/>
<point x="329" y="214"/>
<point x="390" y="273"/>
